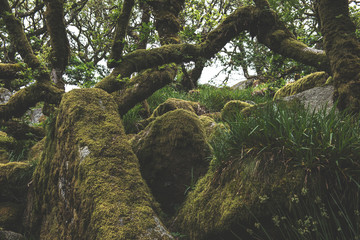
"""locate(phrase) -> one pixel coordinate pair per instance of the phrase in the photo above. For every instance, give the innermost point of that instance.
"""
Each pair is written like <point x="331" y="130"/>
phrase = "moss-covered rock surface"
<point x="88" y="184"/>
<point x="228" y="201"/>
<point x="232" y="108"/>
<point x="312" y="80"/>
<point x="173" y="153"/>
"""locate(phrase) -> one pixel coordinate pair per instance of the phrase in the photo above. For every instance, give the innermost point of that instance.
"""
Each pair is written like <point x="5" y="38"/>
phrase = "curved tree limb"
<point x="18" y="36"/>
<point x="9" y="71"/>
<point x="142" y="86"/>
<point x="262" y="23"/>
<point x="28" y="97"/>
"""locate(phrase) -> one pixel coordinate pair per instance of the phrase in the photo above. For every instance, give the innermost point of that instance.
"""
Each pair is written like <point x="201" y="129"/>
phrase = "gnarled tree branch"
<point x="262" y="23"/>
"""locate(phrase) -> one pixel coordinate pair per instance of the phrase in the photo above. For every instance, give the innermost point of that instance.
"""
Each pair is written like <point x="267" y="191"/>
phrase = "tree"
<point x="146" y="43"/>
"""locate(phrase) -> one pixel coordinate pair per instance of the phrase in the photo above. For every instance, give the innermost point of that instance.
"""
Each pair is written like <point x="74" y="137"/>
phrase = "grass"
<point x="212" y="98"/>
<point x="325" y="144"/>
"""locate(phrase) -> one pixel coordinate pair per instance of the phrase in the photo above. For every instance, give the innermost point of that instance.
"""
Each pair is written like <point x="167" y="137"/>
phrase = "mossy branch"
<point x="143" y="86"/>
<point x="262" y="23"/>
<point x="120" y="32"/>
<point x="10" y="71"/>
<point x="20" y="102"/>
<point x="17" y="35"/>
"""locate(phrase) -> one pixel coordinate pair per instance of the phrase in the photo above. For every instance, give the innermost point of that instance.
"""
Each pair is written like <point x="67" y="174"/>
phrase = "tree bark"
<point x="343" y="51"/>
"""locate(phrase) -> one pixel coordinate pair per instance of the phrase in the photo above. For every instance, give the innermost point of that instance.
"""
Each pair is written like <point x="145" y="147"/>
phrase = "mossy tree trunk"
<point x="343" y="51"/>
<point x="88" y="183"/>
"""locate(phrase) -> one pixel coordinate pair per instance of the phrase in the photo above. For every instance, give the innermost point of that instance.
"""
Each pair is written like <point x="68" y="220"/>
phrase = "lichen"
<point x="101" y="194"/>
<point x="173" y="152"/>
<point x="316" y="79"/>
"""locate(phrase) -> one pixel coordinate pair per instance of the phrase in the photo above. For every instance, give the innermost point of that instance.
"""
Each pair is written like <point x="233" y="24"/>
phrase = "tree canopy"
<point x="132" y="48"/>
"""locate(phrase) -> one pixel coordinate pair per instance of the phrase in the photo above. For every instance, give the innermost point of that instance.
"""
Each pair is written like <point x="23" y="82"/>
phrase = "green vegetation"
<point x="324" y="145"/>
<point x="212" y="98"/>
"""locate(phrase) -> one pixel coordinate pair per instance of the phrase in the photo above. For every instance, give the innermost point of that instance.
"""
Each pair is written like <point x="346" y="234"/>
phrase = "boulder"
<point x="174" y="103"/>
<point x="11" y="216"/>
<point x="243" y="84"/>
<point x="87" y="184"/>
<point x="8" y="235"/>
<point x="312" y="80"/>
<point x="227" y="203"/>
<point x="5" y="95"/>
<point x="232" y="108"/>
<point x="173" y="152"/>
<point x="316" y="98"/>
<point x="14" y="179"/>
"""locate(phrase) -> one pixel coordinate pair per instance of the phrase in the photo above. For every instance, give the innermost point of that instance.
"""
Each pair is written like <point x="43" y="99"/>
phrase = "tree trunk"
<point x="343" y="51"/>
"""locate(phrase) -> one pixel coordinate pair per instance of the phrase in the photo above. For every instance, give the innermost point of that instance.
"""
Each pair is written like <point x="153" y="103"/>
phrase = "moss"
<point x="173" y="104"/>
<point x="237" y="196"/>
<point x="11" y="216"/>
<point x="316" y="79"/>
<point x="232" y="108"/>
<point x="14" y="178"/>
<point x="88" y="184"/>
<point x="173" y="153"/>
<point x="208" y="124"/>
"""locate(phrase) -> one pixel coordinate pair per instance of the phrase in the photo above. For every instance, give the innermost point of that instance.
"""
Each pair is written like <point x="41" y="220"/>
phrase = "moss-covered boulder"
<point x="312" y="80"/>
<point x="232" y="108"/>
<point x="88" y="184"/>
<point x="11" y="216"/>
<point x="9" y="235"/>
<point x="6" y="144"/>
<point x="173" y="153"/>
<point x="14" y="179"/>
<point x="172" y="104"/>
<point x="230" y="201"/>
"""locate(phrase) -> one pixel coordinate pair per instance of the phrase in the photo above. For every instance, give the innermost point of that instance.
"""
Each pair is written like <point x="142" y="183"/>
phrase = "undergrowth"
<point x="325" y="144"/>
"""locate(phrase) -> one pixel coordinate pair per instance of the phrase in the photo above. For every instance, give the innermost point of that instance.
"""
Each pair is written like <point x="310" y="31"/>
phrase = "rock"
<point x="11" y="216"/>
<point x="227" y="202"/>
<point x="7" y="143"/>
<point x="232" y="108"/>
<point x="243" y="84"/>
<point x="173" y="152"/>
<point x="35" y="115"/>
<point x="172" y="104"/>
<point x="8" y="235"/>
<point x="5" y="95"/>
<point x="87" y="184"/>
<point x="316" y="98"/>
<point x="14" y="179"/>
<point x="316" y="79"/>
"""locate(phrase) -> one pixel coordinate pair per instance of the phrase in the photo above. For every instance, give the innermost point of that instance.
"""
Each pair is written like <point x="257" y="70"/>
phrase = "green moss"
<point x="172" y="150"/>
<point x="14" y="178"/>
<point x="232" y="108"/>
<point x="88" y="184"/>
<point x="234" y="196"/>
<point x="173" y="104"/>
<point x="316" y="79"/>
<point x="208" y="124"/>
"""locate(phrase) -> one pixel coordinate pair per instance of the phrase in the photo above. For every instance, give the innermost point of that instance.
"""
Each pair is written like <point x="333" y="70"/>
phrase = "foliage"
<point x="325" y="144"/>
